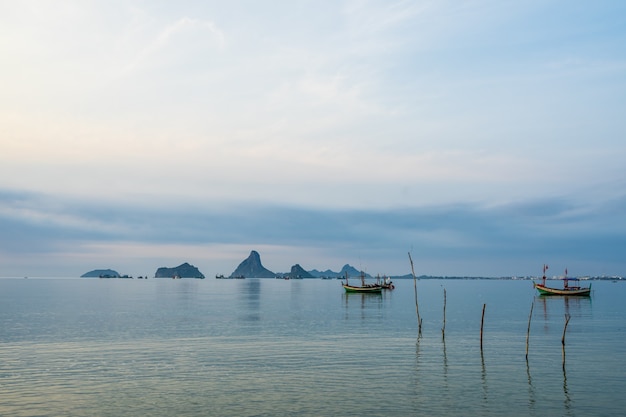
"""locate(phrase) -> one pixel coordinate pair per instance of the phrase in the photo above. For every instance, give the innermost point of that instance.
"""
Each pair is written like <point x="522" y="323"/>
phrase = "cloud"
<point x="495" y="123"/>
<point x="179" y="41"/>
<point x="522" y="233"/>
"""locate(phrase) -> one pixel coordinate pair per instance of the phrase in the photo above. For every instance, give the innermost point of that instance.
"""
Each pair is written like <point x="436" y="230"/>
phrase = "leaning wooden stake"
<point x="528" y="331"/>
<point x="417" y="310"/>
<point x="443" y="329"/>
<point x="482" y="321"/>
<point x="567" y="317"/>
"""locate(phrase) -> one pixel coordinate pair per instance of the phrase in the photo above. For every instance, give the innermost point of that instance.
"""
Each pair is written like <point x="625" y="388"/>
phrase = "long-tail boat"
<point x="567" y="289"/>
<point x="364" y="288"/>
<point x="385" y="282"/>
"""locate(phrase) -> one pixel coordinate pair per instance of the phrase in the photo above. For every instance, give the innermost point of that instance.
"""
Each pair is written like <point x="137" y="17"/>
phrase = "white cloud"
<point x="193" y="36"/>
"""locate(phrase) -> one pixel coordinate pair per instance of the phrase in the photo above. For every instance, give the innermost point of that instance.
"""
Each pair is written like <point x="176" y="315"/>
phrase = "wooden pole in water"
<point x="528" y="331"/>
<point x="567" y="317"/>
<point x="482" y="321"/>
<point x="443" y="329"/>
<point x="417" y="310"/>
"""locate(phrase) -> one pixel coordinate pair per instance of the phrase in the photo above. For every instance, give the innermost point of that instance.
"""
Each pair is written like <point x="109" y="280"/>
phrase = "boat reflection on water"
<point x="553" y="309"/>
<point x="365" y="299"/>
<point x="573" y="306"/>
<point x="364" y="302"/>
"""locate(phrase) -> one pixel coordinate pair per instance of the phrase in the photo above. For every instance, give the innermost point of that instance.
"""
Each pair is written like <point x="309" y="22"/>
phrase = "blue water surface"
<point x="265" y="347"/>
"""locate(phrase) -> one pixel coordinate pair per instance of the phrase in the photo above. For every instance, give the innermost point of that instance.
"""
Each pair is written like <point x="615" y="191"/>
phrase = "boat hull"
<point x="369" y="290"/>
<point x="580" y="291"/>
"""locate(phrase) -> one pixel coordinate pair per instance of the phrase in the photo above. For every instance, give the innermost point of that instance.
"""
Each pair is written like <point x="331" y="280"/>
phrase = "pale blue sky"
<point x="486" y="137"/>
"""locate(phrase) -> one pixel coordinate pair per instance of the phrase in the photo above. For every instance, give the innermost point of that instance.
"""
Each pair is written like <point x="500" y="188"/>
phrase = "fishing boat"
<point x="386" y="283"/>
<point x="571" y="286"/>
<point x="364" y="288"/>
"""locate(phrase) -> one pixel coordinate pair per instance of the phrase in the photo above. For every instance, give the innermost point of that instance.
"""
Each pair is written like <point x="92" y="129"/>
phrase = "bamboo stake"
<point x="567" y="317"/>
<point x="419" y="320"/>
<point x="482" y="321"/>
<point x="528" y="331"/>
<point x="443" y="329"/>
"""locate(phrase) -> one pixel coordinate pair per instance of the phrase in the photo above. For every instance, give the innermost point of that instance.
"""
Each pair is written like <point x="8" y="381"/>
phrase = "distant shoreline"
<point x="424" y="277"/>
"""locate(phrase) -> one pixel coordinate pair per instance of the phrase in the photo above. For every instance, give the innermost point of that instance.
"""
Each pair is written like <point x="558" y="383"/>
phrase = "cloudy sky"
<point x="484" y="137"/>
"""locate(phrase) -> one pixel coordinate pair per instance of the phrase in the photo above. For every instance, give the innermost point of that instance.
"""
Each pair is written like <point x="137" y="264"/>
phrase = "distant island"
<point x="184" y="270"/>
<point x="252" y="267"/>
<point x="101" y="273"/>
<point x="299" y="273"/>
<point x="345" y="270"/>
<point x="181" y="271"/>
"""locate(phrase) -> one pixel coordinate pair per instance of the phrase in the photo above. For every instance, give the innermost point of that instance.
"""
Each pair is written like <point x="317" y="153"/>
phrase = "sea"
<point x="270" y="347"/>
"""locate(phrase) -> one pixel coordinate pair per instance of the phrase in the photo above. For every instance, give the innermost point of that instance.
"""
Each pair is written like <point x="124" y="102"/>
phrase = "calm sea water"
<point x="265" y="347"/>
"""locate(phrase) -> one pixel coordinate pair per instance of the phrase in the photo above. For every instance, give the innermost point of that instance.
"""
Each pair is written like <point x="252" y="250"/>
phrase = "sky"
<point x="486" y="138"/>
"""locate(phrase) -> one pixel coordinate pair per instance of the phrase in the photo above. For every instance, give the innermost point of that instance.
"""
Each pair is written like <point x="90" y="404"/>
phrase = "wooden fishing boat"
<point x="385" y="282"/>
<point x="571" y="286"/>
<point x="364" y="288"/>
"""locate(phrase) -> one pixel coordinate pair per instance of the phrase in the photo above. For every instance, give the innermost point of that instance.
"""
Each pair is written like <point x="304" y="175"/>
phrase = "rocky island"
<point x="101" y="273"/>
<point x="251" y="267"/>
<point x="298" y="272"/>
<point x="181" y="271"/>
<point x="346" y="269"/>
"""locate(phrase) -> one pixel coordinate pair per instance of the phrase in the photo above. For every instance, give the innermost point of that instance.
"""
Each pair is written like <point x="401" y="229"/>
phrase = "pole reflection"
<point x="483" y="377"/>
<point x="416" y="384"/>
<point x="531" y="389"/>
<point x="567" y="401"/>
<point x="445" y="364"/>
